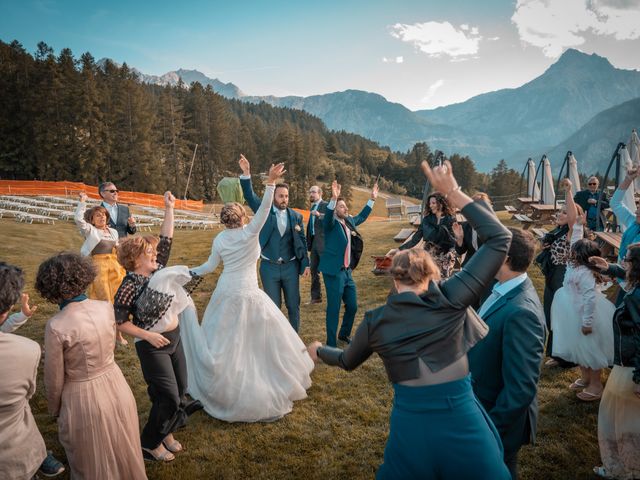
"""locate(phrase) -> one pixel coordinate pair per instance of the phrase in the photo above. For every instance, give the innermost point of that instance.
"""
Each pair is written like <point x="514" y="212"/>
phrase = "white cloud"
<point x="393" y="60"/>
<point x="554" y="25"/>
<point x="431" y="91"/>
<point x="399" y="59"/>
<point x="439" y="39"/>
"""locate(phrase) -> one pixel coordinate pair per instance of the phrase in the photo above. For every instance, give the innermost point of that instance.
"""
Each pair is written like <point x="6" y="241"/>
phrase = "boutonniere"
<point x="353" y="233"/>
<point x="297" y="228"/>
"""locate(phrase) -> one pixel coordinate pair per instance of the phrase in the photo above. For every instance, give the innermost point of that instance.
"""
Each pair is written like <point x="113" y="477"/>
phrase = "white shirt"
<point x="500" y="290"/>
<point x="281" y="217"/>
<point x="113" y="211"/>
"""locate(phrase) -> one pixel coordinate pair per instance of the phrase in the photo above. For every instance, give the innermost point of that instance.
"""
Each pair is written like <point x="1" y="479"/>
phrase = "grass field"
<point x="340" y="430"/>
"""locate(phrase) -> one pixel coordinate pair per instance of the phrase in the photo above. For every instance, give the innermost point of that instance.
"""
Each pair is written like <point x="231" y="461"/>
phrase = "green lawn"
<point x="339" y="431"/>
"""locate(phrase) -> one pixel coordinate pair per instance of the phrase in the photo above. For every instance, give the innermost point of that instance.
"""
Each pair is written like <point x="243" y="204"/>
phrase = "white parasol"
<point x="548" y="192"/>
<point x="532" y="186"/>
<point x="573" y="173"/>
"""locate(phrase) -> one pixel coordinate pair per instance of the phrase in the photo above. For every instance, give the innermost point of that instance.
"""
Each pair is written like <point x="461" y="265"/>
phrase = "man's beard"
<point x="281" y="206"/>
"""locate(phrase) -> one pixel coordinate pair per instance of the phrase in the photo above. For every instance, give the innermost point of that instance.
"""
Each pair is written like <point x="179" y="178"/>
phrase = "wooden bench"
<point x="511" y="209"/>
<point x="403" y="234"/>
<point x="395" y="207"/>
<point x="541" y="213"/>
<point x="609" y="243"/>
<point x="524" y="220"/>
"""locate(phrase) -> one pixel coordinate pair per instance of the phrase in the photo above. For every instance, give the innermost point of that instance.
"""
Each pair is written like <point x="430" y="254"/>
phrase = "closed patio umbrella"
<point x="548" y="192"/>
<point x="532" y="186"/>
<point x="573" y="173"/>
<point x="625" y="165"/>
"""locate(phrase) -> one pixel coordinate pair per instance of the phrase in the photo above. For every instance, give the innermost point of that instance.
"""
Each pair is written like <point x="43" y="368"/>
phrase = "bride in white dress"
<point x="245" y="362"/>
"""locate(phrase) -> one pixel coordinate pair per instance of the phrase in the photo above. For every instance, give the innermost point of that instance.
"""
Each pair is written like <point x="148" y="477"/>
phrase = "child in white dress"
<point x="581" y="316"/>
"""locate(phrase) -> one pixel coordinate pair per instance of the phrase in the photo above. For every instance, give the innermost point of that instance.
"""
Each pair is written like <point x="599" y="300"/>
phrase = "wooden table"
<point x="525" y="203"/>
<point x="609" y="243"/>
<point x="542" y="213"/>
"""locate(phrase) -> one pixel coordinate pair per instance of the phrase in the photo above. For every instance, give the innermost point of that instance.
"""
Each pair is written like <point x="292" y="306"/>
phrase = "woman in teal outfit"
<point x="438" y="430"/>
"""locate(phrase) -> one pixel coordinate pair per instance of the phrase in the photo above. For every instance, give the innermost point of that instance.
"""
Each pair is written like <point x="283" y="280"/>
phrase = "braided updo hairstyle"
<point x="414" y="266"/>
<point x="232" y="215"/>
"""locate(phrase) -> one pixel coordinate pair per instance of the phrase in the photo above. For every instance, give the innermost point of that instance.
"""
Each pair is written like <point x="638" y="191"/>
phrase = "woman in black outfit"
<point x="423" y="333"/>
<point x="619" y="415"/>
<point x="143" y="313"/>
<point x="436" y="230"/>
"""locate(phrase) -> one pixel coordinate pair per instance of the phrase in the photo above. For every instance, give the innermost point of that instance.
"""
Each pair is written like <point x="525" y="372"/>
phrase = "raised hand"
<point x="566" y="183"/>
<point x="169" y="200"/>
<point x="335" y="190"/>
<point x="374" y="191"/>
<point x="244" y="165"/>
<point x="27" y="311"/>
<point x="441" y="177"/>
<point x="275" y="172"/>
<point x="82" y="197"/>
<point x="131" y="221"/>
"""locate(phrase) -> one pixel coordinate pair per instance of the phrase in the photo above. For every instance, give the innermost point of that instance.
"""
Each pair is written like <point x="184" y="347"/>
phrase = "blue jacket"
<point x="335" y="241"/>
<point x="505" y="365"/>
<point x="271" y="228"/>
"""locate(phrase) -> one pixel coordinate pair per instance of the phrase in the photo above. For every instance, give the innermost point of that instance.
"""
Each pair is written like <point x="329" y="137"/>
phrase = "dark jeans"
<point x="285" y="277"/>
<point x="165" y="371"/>
<point x="316" y="290"/>
<point x="340" y="287"/>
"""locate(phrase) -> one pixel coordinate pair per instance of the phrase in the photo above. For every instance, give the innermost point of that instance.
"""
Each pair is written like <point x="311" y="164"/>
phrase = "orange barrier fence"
<point x="37" y="187"/>
<point x="371" y="218"/>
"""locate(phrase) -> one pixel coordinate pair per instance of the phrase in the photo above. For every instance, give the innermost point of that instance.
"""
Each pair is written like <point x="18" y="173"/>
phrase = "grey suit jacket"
<point x="122" y="223"/>
<point x="505" y="365"/>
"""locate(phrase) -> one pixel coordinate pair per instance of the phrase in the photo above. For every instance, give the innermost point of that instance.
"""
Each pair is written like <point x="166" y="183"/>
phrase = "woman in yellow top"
<point x="100" y="243"/>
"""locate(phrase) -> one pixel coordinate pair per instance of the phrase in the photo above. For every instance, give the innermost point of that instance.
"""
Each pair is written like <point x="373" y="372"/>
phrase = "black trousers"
<point x="552" y="284"/>
<point x="165" y="371"/>
<point x="316" y="289"/>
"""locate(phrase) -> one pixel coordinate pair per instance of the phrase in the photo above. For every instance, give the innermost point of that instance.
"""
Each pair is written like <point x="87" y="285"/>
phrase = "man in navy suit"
<point x="505" y="365"/>
<point x="337" y="262"/>
<point x="119" y="216"/>
<point x="315" y="239"/>
<point x="284" y="247"/>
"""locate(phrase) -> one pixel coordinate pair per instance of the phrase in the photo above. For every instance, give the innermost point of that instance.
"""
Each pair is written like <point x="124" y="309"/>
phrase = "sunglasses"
<point x="593" y="184"/>
<point x="112" y="191"/>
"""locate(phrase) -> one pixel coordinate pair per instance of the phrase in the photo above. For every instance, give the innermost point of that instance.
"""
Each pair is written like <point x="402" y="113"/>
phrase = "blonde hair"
<point x="232" y="215"/>
<point x="132" y="248"/>
<point x="414" y="266"/>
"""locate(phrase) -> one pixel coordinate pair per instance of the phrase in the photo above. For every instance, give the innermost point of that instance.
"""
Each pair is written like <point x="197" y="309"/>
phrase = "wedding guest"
<point x="100" y="243"/>
<point x="423" y="334"/>
<point x="142" y="313"/>
<point x="436" y="230"/>
<point x="22" y="449"/>
<point x="505" y="365"/>
<point x="86" y="391"/>
<point x="315" y="240"/>
<point x="629" y="222"/>
<point x="467" y="243"/>
<point x="557" y="246"/>
<point x="588" y="201"/>
<point x="619" y="415"/>
<point x="119" y="216"/>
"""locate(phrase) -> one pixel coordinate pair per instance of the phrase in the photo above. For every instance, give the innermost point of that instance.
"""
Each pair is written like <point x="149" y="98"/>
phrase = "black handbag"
<point x="544" y="262"/>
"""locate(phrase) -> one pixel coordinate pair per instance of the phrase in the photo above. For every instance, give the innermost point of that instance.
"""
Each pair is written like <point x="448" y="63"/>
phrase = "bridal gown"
<point x="245" y="362"/>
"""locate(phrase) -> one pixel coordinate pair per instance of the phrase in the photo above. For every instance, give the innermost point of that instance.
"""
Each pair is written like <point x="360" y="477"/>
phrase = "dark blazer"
<point x="467" y="243"/>
<point x="271" y="228"/>
<point x="122" y="225"/>
<point x="582" y="198"/>
<point x="505" y="366"/>
<point x="335" y="241"/>
<point x="438" y="234"/>
<point x="437" y="326"/>
<point x="317" y="239"/>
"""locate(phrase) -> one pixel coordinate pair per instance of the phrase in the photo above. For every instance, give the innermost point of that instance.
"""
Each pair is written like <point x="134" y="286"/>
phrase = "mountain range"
<point x="578" y="103"/>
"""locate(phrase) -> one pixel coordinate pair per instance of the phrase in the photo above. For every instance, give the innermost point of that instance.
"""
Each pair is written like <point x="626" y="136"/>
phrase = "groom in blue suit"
<point x="337" y="261"/>
<point x="284" y="247"/>
<point x="505" y="365"/>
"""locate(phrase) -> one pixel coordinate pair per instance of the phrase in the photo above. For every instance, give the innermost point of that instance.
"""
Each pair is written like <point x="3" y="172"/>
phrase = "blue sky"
<point x="422" y="54"/>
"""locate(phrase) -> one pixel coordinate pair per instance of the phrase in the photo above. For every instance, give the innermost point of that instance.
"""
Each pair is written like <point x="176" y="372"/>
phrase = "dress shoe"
<point x="313" y="301"/>
<point x="345" y="339"/>
<point x="192" y="407"/>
